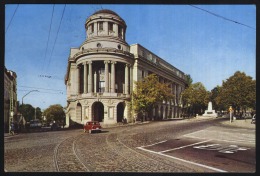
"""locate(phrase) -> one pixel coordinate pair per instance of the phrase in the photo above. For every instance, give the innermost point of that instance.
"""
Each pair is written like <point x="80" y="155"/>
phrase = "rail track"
<point x="139" y="161"/>
<point x="66" y="158"/>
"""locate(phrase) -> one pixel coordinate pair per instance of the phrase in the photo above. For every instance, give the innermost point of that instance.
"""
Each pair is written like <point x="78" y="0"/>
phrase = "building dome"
<point x="105" y="29"/>
<point x="105" y="11"/>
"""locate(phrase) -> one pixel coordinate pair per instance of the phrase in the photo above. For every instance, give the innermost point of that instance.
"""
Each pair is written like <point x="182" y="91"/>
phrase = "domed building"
<point x="101" y="74"/>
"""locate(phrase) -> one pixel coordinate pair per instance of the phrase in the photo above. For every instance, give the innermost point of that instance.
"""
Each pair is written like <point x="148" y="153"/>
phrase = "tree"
<point x="189" y="80"/>
<point x="148" y="92"/>
<point x="28" y="112"/>
<point x="195" y="98"/>
<point x="213" y="98"/>
<point x="238" y="91"/>
<point x="54" y="112"/>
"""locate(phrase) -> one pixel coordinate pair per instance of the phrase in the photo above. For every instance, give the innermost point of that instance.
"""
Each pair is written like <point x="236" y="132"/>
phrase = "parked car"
<point x="92" y="126"/>
<point x="55" y="126"/>
<point x="35" y="123"/>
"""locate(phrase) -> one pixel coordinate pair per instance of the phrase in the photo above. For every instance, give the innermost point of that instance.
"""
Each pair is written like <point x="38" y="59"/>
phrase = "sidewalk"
<point x="243" y="123"/>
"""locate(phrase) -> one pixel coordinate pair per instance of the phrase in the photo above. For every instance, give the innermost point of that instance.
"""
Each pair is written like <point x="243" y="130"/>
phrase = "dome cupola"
<point x="104" y="23"/>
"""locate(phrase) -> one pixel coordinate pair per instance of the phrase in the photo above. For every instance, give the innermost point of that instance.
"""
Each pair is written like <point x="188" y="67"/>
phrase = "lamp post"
<point x="28" y="93"/>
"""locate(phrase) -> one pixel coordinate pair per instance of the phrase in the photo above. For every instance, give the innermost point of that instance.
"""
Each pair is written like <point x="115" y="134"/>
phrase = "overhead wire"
<point x="219" y="16"/>
<point x="11" y="19"/>
<point x="40" y="88"/>
<point x="48" y="35"/>
<point x="56" y="35"/>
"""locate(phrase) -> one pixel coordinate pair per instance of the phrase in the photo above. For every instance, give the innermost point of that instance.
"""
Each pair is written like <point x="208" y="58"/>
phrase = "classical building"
<point x="101" y="74"/>
<point x="10" y="97"/>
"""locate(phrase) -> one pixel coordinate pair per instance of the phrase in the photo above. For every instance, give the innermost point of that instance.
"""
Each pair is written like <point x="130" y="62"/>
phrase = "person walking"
<point x="12" y="128"/>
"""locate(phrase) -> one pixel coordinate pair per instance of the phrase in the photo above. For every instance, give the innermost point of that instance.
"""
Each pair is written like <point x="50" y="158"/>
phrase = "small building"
<point x="10" y="98"/>
<point x="101" y="74"/>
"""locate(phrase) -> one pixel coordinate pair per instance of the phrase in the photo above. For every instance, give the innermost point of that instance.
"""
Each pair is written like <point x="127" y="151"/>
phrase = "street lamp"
<point x="28" y="93"/>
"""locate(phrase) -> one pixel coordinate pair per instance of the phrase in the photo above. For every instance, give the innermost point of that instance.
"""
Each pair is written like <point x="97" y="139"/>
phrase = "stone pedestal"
<point x="210" y="112"/>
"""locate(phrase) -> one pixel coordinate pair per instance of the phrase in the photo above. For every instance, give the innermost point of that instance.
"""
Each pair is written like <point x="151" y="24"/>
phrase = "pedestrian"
<point x="12" y="128"/>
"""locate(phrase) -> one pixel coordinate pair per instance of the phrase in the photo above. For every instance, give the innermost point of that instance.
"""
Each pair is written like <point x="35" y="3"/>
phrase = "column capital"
<point x="128" y="65"/>
<point x="84" y="63"/>
<point x="89" y="62"/>
<point x="106" y="62"/>
<point x="113" y="62"/>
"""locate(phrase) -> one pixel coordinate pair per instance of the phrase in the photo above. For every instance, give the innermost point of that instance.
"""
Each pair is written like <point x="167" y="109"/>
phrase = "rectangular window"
<point x="101" y="88"/>
<point x="120" y="31"/>
<point x="110" y="26"/>
<point x="91" y="27"/>
<point x="100" y="26"/>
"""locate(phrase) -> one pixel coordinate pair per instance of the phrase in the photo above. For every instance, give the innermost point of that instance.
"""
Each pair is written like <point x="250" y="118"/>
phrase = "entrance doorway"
<point x="79" y="112"/>
<point x="98" y="111"/>
<point x="120" y="111"/>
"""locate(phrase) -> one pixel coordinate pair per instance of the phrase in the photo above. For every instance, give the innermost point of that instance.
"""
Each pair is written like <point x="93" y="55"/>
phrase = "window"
<point x="120" y="31"/>
<point x="101" y="87"/>
<point x="102" y="71"/>
<point x="110" y="26"/>
<point x="91" y="27"/>
<point x="100" y="26"/>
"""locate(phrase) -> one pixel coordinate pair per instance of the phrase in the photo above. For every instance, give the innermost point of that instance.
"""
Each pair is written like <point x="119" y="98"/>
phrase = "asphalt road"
<point x="169" y="146"/>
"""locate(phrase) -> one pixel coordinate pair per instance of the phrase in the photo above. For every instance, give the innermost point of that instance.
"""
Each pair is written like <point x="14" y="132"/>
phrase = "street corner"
<point x="242" y="123"/>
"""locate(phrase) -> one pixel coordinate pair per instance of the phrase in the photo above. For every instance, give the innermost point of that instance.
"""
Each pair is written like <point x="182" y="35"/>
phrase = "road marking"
<point x="239" y="141"/>
<point x="185" y="146"/>
<point x="154" y="144"/>
<point x="222" y="136"/>
<point x="190" y="162"/>
<point x="220" y="148"/>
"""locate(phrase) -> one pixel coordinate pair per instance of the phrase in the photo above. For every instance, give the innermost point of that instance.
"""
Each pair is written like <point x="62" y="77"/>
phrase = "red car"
<point x="92" y="126"/>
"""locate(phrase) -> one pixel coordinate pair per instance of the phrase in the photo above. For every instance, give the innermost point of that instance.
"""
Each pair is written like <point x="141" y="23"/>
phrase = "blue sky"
<point x="209" y="48"/>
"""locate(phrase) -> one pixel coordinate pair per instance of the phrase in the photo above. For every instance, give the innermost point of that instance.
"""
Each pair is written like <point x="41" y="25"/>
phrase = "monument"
<point x="210" y="112"/>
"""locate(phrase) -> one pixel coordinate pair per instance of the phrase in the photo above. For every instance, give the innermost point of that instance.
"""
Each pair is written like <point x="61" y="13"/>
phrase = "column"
<point x="95" y="82"/>
<point x="106" y="27"/>
<point x="85" y="78"/>
<point x="95" y="28"/>
<point x="159" y="112"/>
<point x="116" y="30"/>
<point x="131" y="79"/>
<point x="113" y="74"/>
<point x="126" y="79"/>
<point x="78" y="78"/>
<point x="106" y="76"/>
<point x="90" y="78"/>
<point x="175" y="94"/>
<point x="164" y="111"/>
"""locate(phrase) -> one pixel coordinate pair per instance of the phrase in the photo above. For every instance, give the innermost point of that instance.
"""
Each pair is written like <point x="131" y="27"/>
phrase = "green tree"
<point x="213" y="98"/>
<point x="28" y="112"/>
<point x="148" y="92"/>
<point x="189" y="80"/>
<point x="54" y="112"/>
<point x="239" y="91"/>
<point x="195" y="98"/>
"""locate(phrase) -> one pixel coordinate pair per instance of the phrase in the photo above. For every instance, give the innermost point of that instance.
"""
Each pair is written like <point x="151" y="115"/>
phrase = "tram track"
<point x="65" y="156"/>
<point x="139" y="161"/>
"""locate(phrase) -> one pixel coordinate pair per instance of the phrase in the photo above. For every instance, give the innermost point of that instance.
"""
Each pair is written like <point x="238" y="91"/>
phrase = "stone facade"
<point x="10" y="97"/>
<point x="101" y="74"/>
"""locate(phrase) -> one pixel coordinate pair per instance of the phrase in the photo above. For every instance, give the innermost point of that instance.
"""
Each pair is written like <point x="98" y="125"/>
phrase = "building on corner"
<point x="10" y="98"/>
<point x="101" y="74"/>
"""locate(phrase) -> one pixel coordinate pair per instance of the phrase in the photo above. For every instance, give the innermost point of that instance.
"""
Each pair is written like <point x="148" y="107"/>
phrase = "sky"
<point x="208" y="42"/>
